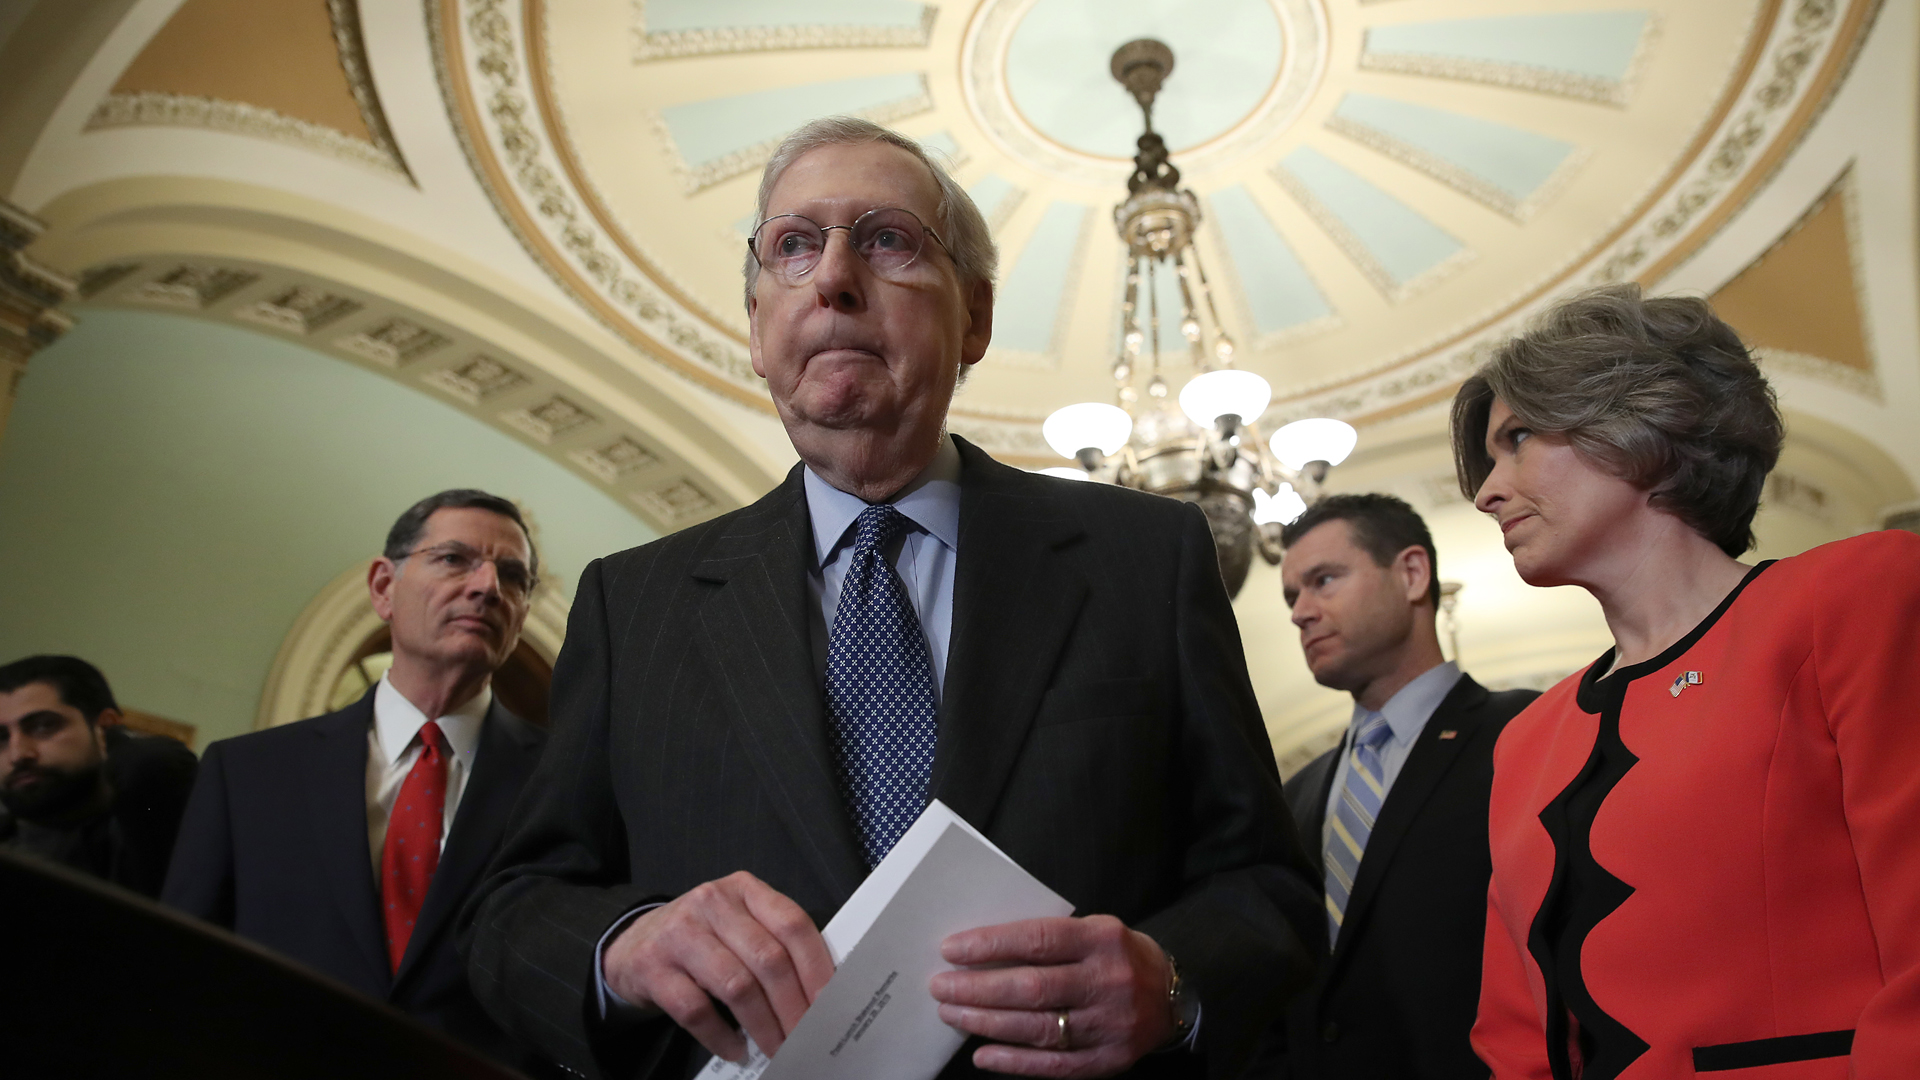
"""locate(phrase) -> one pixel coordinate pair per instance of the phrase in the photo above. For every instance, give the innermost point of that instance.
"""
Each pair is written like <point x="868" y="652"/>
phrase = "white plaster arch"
<point x="576" y="393"/>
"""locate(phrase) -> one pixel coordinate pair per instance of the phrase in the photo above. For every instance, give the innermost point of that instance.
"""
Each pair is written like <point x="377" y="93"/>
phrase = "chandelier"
<point x="1208" y="448"/>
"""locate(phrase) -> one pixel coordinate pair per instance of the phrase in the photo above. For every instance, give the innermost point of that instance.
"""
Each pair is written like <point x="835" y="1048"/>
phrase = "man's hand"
<point x="735" y="940"/>
<point x="1111" y="981"/>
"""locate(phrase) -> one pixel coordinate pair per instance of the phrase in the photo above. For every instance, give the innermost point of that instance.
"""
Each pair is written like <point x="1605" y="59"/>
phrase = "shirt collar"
<point x="396" y="721"/>
<point x="1407" y="711"/>
<point x="931" y="501"/>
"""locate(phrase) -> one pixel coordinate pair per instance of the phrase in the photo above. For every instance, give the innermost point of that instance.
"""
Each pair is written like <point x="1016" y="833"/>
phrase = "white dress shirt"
<point x="923" y="554"/>
<point x="1407" y="713"/>
<point x="393" y="747"/>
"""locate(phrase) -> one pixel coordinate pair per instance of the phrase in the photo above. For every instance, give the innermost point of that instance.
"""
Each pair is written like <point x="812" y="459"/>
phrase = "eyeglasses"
<point x="456" y="561"/>
<point x="888" y="238"/>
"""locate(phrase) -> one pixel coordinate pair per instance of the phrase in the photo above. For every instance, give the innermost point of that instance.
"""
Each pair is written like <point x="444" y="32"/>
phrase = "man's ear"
<point x="1415" y="570"/>
<point x="753" y="337"/>
<point x="380" y="579"/>
<point x="107" y="718"/>
<point x="973" y="344"/>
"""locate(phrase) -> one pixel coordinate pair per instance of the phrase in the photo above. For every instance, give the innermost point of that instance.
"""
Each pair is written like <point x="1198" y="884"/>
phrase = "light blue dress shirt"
<point x="1407" y="713"/>
<point x="924" y="555"/>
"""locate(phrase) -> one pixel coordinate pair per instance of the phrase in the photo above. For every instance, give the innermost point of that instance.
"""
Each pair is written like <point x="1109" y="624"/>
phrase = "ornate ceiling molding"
<point x="352" y="47"/>
<point x="30" y="291"/>
<point x="1538" y="80"/>
<point x="1800" y="53"/>
<point x="1467" y="183"/>
<point x="1363" y="256"/>
<point x="748" y="158"/>
<point x="983" y="61"/>
<point x="1851" y="379"/>
<point x="154" y="108"/>
<point x="1776" y="107"/>
<point x="497" y="80"/>
<point x="483" y="378"/>
<point x="504" y="117"/>
<point x="669" y="44"/>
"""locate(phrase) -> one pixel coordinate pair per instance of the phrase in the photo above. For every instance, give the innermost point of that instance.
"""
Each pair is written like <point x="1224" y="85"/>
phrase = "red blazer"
<point x="1766" y="841"/>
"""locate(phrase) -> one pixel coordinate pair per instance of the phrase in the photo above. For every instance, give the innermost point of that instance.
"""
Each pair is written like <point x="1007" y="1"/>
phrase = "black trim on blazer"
<point x="1786" y="1048"/>
<point x="1581" y="892"/>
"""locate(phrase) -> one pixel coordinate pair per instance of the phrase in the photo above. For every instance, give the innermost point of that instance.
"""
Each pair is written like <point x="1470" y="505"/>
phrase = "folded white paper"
<point x="876" y="1017"/>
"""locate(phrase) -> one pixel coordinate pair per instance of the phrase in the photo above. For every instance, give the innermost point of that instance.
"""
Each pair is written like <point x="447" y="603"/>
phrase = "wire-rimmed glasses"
<point x="456" y="561"/>
<point x="889" y="238"/>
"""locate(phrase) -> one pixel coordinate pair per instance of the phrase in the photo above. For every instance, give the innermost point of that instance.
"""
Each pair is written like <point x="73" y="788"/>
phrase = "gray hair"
<point x="1658" y="392"/>
<point x="961" y="226"/>
<point x="412" y="523"/>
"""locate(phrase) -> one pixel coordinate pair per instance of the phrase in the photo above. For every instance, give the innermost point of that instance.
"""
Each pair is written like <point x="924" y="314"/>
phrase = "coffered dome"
<point x="1385" y="186"/>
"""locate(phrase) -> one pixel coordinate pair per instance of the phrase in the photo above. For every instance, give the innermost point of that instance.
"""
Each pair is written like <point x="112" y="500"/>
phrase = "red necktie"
<point x="412" y="850"/>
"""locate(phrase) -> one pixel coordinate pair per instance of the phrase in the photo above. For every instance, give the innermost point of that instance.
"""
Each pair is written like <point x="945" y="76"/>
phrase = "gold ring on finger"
<point x="1065" y="1041"/>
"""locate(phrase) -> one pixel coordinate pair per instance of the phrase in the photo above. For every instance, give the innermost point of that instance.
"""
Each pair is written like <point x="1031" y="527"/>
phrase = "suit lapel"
<point x="1314" y="824"/>
<point x="336" y="776"/>
<point x="505" y="757"/>
<point x="1014" y="600"/>
<point x="1426" y="766"/>
<point x="755" y="631"/>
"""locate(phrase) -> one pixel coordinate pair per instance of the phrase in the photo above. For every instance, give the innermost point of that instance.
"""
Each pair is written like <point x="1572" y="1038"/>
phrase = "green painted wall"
<point x="173" y="492"/>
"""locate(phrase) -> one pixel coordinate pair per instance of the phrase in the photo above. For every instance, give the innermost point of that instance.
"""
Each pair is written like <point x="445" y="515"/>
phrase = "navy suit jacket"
<point x="1399" y="993"/>
<point x="274" y="848"/>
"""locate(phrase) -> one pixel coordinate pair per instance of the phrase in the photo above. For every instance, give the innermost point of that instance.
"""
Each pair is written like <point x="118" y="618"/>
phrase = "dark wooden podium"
<point x="98" y="982"/>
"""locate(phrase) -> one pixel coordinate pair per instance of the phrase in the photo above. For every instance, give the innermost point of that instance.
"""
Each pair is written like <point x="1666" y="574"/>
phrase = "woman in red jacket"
<point x="1706" y="845"/>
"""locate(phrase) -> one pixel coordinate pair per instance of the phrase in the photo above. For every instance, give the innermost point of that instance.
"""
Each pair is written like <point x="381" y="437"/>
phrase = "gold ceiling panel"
<point x="278" y="56"/>
<point x="1801" y="301"/>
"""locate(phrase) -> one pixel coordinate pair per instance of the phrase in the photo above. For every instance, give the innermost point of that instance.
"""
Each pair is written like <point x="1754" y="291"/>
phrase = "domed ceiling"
<point x="1387" y="184"/>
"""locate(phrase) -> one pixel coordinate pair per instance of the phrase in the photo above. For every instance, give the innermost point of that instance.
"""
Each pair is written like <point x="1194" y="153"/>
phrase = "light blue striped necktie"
<point x="1353" y="817"/>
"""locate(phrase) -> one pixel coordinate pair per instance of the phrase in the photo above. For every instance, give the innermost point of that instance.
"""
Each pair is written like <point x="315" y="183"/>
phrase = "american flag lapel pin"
<point x="1449" y="733"/>
<point x="1684" y="680"/>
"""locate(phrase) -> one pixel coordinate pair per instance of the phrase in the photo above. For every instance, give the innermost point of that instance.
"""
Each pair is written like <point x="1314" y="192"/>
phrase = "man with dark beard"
<point x="78" y="788"/>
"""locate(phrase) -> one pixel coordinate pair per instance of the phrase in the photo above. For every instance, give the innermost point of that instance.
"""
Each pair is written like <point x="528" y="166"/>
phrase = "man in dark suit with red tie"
<point x="349" y="841"/>
<point x="1397" y="812"/>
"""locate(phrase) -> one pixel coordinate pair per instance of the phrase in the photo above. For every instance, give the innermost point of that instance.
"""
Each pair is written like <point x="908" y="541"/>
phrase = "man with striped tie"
<point x="1398" y="810"/>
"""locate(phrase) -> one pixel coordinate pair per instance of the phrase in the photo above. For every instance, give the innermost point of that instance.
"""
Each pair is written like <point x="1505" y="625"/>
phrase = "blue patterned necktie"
<point x="879" y="691"/>
<point x="1353" y="817"/>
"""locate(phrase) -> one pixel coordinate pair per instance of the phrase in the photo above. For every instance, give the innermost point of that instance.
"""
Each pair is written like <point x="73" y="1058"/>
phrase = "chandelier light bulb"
<point x="1089" y="424"/>
<point x="1223" y="348"/>
<point x="1190" y="329"/>
<point x="1319" y="439"/>
<point x="1281" y="509"/>
<point x="1209" y="396"/>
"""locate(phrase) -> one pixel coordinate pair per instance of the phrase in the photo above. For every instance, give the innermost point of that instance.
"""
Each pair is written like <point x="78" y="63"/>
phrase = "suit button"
<point x="1330" y="1032"/>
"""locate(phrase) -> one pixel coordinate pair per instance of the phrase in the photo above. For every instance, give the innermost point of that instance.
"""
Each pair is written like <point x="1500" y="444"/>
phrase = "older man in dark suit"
<point x="349" y="841"/>
<point x="1398" y="810"/>
<point x="748" y="713"/>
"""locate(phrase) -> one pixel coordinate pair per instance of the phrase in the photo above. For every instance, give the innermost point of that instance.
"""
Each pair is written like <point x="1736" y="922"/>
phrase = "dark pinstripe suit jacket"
<point x="1097" y="724"/>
